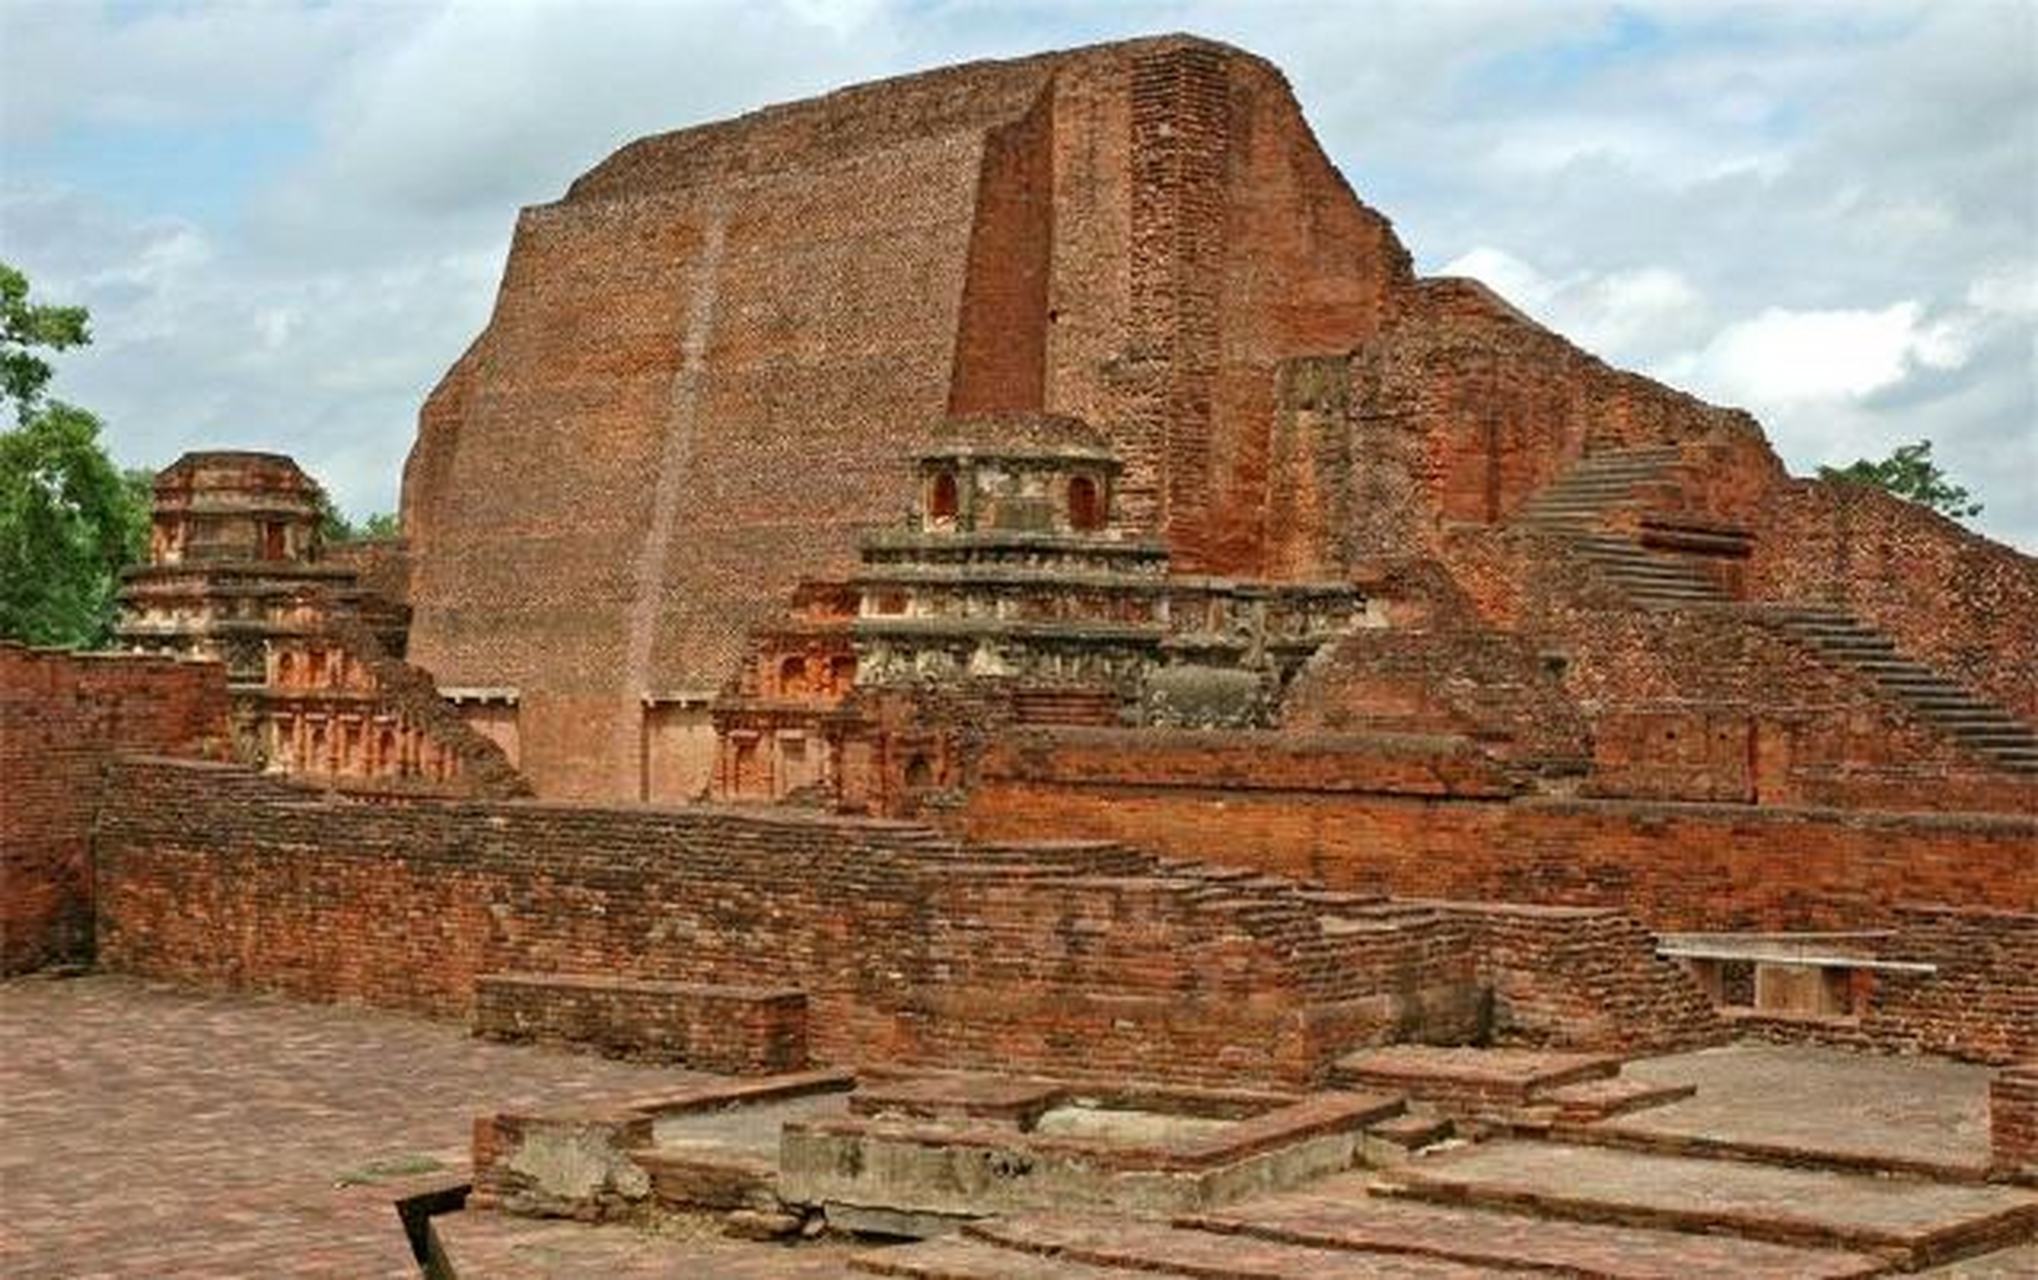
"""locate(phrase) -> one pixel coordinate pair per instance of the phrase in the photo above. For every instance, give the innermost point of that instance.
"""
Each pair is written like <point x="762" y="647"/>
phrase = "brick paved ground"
<point x="152" y="1132"/>
<point x="1816" y="1099"/>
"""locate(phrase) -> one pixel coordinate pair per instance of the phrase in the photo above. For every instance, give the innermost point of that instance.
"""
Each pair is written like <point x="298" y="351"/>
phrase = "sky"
<point x="288" y="217"/>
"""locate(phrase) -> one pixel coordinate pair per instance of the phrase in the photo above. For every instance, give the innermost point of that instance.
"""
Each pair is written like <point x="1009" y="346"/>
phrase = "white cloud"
<point x="1780" y="357"/>
<point x="1825" y="212"/>
<point x="1629" y="314"/>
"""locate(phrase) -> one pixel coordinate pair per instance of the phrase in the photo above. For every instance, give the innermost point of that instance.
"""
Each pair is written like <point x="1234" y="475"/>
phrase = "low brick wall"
<point x="2013" y="1120"/>
<point x="1583" y="978"/>
<point x="1429" y="825"/>
<point x="62" y="715"/>
<point x="736" y="1030"/>
<point x="910" y="948"/>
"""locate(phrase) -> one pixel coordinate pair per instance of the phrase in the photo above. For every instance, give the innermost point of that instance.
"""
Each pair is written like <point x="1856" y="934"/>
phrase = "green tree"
<point x="333" y="525"/>
<point x="69" y="519"/>
<point x="1910" y="473"/>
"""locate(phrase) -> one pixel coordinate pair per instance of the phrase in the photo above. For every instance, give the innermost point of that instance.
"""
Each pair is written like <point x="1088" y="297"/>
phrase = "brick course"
<point x="2013" y="1120"/>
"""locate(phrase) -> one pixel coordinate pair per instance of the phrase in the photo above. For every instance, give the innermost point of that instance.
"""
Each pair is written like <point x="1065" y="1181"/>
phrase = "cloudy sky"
<point x="288" y="218"/>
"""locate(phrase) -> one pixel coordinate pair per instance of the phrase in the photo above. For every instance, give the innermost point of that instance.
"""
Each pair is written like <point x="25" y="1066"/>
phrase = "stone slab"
<point x="1339" y="1213"/>
<point x="956" y="1259"/>
<point x="1590" y="1100"/>
<point x="1006" y="1098"/>
<point x="1909" y="1221"/>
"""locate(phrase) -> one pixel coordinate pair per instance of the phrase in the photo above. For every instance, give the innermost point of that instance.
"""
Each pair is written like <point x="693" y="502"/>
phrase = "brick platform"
<point x="1339" y="1213"/>
<point x="1911" y="1223"/>
<point x="2013" y="1120"/>
<point x="1470" y="1077"/>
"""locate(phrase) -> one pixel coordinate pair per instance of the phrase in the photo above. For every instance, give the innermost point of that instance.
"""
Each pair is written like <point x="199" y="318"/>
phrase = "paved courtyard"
<point x="146" y="1131"/>
<point x="150" y="1131"/>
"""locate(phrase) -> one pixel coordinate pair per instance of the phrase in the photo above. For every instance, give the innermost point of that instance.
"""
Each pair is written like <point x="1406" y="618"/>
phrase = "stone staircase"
<point x="1977" y="724"/>
<point x="1577" y="502"/>
<point x="1575" y="508"/>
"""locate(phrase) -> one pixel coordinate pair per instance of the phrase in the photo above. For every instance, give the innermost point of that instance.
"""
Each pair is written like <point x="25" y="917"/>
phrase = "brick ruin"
<point x="1010" y="567"/>
<point x="311" y="641"/>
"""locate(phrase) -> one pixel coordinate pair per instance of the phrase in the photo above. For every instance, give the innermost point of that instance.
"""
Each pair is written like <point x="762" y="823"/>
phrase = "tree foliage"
<point x="1910" y="473"/>
<point x="334" y="526"/>
<point x="69" y="519"/>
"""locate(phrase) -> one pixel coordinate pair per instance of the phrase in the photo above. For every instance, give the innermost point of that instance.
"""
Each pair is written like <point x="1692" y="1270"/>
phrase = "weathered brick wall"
<point x="1584" y="978"/>
<point x="1711" y="704"/>
<point x="1434" y="668"/>
<point x="1983" y="1001"/>
<point x="909" y="950"/>
<point x="734" y="1029"/>
<point x="2013" y="1120"/>
<point x="1965" y="604"/>
<point x="1422" y="822"/>
<point x="1480" y="407"/>
<point x="61" y="715"/>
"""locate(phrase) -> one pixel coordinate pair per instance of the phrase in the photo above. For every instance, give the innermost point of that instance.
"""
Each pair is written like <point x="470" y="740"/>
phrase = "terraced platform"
<point x="1340" y="1213"/>
<point x="1072" y="1247"/>
<point x="1810" y="1106"/>
<point x="1910" y="1222"/>
<point x="1459" y="1076"/>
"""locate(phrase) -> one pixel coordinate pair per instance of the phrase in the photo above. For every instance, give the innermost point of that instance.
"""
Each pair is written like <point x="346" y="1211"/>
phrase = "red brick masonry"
<point x="911" y="948"/>
<point x="738" y="1030"/>
<point x="2013" y="1120"/>
<point x="61" y="716"/>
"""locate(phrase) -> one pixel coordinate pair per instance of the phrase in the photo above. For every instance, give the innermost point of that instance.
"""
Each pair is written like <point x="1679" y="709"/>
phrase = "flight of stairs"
<point x="1580" y="499"/>
<point x="1066" y="706"/>
<point x="1575" y="507"/>
<point x="1975" y="723"/>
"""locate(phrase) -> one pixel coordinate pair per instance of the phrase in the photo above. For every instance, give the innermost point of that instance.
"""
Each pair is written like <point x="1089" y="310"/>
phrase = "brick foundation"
<point x="737" y="1030"/>
<point x="1067" y="959"/>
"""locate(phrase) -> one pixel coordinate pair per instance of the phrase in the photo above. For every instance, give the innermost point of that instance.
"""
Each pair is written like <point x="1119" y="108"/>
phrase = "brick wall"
<point x="1584" y="978"/>
<point x="61" y="714"/>
<point x="1701" y="704"/>
<point x="740" y="1030"/>
<point x="1420" y="821"/>
<point x="2013" y="1120"/>
<point x="907" y="949"/>
<point x="1068" y="959"/>
<point x="1953" y="598"/>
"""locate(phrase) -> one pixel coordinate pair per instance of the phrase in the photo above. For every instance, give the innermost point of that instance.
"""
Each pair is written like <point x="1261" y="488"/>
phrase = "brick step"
<point x="1912" y="1223"/>
<point x="1464" y="1076"/>
<point x="1159" y="1248"/>
<point x="959" y="1258"/>
<point x="1591" y="1100"/>
<point x="1411" y="1131"/>
<point x="1337" y="1213"/>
